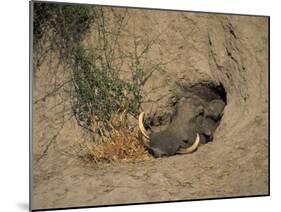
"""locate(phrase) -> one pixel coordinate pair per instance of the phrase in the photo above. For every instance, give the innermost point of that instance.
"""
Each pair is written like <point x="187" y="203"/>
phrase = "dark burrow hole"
<point x="208" y="90"/>
<point x="197" y="112"/>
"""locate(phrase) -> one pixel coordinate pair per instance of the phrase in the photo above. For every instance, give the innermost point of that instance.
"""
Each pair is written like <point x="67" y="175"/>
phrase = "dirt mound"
<point x="187" y="48"/>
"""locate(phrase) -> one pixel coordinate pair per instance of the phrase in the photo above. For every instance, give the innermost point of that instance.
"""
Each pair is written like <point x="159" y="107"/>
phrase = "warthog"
<point x="198" y="112"/>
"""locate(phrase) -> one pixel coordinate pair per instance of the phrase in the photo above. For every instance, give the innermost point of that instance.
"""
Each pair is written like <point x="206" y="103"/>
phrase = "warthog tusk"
<point x="142" y="129"/>
<point x="191" y="148"/>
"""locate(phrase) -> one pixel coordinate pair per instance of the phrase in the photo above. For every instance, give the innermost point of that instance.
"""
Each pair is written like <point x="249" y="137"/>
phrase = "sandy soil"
<point x="228" y="49"/>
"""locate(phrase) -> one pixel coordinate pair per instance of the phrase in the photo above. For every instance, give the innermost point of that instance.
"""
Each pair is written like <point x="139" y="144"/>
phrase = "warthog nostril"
<point x="206" y="137"/>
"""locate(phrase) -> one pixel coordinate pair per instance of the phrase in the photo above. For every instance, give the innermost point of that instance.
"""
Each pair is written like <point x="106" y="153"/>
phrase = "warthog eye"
<point x="199" y="114"/>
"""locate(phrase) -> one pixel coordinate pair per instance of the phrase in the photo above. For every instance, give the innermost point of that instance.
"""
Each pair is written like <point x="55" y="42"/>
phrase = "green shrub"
<point x="99" y="91"/>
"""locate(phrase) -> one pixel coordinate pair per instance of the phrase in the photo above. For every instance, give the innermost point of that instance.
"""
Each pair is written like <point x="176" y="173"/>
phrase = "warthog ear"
<point x="216" y="108"/>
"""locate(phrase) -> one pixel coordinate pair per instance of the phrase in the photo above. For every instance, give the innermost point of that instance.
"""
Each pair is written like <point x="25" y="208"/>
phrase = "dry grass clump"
<point x="121" y="145"/>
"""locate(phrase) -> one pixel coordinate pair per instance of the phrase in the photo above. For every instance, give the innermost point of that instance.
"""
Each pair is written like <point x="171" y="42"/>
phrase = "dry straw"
<point x="120" y="144"/>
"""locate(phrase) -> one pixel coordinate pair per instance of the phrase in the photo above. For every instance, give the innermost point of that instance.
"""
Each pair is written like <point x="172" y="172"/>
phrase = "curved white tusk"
<point x="191" y="148"/>
<point x="142" y="129"/>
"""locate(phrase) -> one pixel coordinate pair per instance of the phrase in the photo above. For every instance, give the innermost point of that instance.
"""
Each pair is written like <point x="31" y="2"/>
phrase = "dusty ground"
<point x="232" y="50"/>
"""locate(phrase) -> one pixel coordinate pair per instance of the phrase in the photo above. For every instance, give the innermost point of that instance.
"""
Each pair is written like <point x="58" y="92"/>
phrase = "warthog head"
<point x="196" y="117"/>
